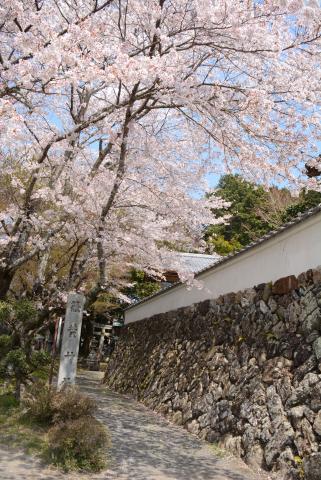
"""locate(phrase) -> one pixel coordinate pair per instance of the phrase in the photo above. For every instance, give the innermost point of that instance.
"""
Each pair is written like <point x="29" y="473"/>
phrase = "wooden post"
<point x="55" y="346"/>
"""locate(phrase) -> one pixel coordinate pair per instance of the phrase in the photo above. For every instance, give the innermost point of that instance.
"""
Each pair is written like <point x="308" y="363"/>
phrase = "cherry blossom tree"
<point x="113" y="112"/>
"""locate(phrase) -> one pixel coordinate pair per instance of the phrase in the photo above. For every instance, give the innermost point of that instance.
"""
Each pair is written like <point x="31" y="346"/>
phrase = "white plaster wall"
<point x="289" y="253"/>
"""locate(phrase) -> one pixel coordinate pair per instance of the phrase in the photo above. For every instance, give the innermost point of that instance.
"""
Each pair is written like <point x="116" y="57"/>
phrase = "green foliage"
<point x="8" y="402"/>
<point x="21" y="311"/>
<point x="25" y="312"/>
<point x="15" y="363"/>
<point x="39" y="358"/>
<point x="142" y="285"/>
<point x="307" y="199"/>
<point x="245" y="223"/>
<point x="16" y="429"/>
<point x="5" y="345"/>
<point x="224" y="247"/>
<point x="78" y="444"/>
<point x="6" y="312"/>
<point x="105" y="302"/>
<point x="217" y="450"/>
<point x="17" y="360"/>
<point x="253" y="212"/>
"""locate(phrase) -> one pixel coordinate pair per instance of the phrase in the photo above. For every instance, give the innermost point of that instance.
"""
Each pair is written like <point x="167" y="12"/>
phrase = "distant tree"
<point x="246" y="223"/>
<point x="18" y="361"/>
<point x="136" y="285"/>
<point x="307" y="199"/>
<point x="253" y="211"/>
<point x="142" y="286"/>
<point x="278" y="200"/>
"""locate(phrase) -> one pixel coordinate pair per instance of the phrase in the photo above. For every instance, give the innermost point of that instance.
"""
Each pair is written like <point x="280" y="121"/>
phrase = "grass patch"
<point x="79" y="444"/>
<point x="17" y="430"/>
<point x="7" y="402"/>
<point x="216" y="450"/>
<point x="58" y="427"/>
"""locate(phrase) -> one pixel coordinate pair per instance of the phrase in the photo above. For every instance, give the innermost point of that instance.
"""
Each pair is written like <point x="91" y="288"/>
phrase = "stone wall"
<point x="242" y="370"/>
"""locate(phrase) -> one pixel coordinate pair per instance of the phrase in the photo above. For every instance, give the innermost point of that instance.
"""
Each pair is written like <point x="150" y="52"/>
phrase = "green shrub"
<point x="79" y="444"/>
<point x="25" y="312"/>
<point x="40" y="365"/>
<point x="40" y="358"/>
<point x="5" y="345"/>
<point x="8" y="402"/>
<point x="17" y="366"/>
<point x="20" y="320"/>
<point x="6" y="312"/>
<point x="16" y="363"/>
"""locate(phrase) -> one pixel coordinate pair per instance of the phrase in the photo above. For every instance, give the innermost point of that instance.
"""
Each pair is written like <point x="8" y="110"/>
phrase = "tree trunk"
<point x="41" y="273"/>
<point x="17" y="392"/>
<point x="5" y="282"/>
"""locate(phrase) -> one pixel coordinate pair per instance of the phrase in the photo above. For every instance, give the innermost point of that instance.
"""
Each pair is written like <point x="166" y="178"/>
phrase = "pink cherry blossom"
<point x="114" y="113"/>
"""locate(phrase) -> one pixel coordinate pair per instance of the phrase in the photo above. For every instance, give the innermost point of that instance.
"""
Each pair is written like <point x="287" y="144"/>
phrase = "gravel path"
<point x="144" y="447"/>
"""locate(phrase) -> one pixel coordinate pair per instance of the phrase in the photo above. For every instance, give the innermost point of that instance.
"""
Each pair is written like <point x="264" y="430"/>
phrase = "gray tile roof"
<point x="195" y="262"/>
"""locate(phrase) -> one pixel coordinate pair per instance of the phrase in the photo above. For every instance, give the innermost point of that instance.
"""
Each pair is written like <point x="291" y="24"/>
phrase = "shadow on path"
<point x="146" y="447"/>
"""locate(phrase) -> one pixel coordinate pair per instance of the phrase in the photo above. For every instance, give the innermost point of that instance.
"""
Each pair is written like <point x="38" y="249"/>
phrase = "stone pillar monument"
<point x="70" y="340"/>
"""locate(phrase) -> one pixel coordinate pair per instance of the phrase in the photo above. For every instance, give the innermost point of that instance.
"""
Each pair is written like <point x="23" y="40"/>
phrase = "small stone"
<point x="280" y="312"/>
<point x="244" y="302"/>
<point x="315" y="404"/>
<point x="312" y="322"/>
<point x="282" y="438"/>
<point x="302" y="354"/>
<point x="309" y="414"/>
<point x="232" y="444"/>
<point x="193" y="427"/>
<point x="317" y="348"/>
<point x="309" y="303"/>
<point x="272" y="305"/>
<point x="305" y="440"/>
<point x="187" y="415"/>
<point x="204" y="420"/>
<point x="217" y="393"/>
<point x="312" y="336"/>
<point x="317" y="424"/>
<point x="302" y="279"/>
<point x="296" y="415"/>
<point x="310" y="380"/>
<point x="262" y="358"/>
<point x="267" y="292"/>
<point x="297" y="412"/>
<point x="255" y="456"/>
<point x="285" y="461"/>
<point x="312" y="467"/>
<point x="178" y="418"/>
<point x="316" y="275"/>
<point x="263" y="307"/>
<point x="250" y="294"/>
